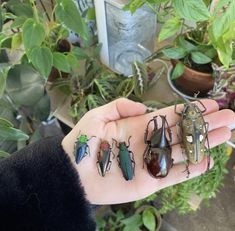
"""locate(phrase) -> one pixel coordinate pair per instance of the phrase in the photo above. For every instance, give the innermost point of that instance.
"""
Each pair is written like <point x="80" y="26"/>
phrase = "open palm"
<point x="121" y="119"/>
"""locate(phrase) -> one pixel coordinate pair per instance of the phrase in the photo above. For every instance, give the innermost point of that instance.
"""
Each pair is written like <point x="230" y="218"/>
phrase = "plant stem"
<point x="35" y="12"/>
<point x="44" y="8"/>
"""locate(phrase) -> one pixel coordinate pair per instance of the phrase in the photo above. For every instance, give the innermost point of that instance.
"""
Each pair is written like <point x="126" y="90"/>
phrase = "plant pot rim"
<point x="175" y="89"/>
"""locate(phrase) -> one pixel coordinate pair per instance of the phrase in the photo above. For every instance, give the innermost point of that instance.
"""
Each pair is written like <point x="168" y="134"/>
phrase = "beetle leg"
<point x="169" y="131"/>
<point x="187" y="169"/>
<point x="118" y="161"/>
<point x="146" y="151"/>
<point x="178" y="113"/>
<point x="208" y="146"/>
<point x="115" y="142"/>
<point x="155" y="123"/>
<point x="88" y="151"/>
<point x="109" y="166"/>
<point x="133" y="161"/>
<point x="147" y="131"/>
<point x="204" y="108"/>
<point x="128" y="142"/>
<point x="98" y="167"/>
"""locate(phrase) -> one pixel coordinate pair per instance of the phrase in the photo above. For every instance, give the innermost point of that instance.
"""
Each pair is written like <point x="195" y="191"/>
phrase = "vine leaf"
<point x="140" y="77"/>
<point x="126" y="87"/>
<point x="106" y="89"/>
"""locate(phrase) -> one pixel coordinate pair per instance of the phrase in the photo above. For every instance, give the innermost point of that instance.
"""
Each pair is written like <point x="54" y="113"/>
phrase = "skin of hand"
<point x="121" y="119"/>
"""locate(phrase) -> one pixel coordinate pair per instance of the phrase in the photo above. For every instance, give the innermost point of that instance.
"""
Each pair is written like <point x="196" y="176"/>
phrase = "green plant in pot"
<point x="41" y="38"/>
<point x="200" y="33"/>
<point x="195" y="49"/>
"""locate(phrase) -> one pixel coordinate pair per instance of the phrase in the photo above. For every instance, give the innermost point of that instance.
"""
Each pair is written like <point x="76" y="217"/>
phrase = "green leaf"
<point x="72" y="60"/>
<point x="25" y="85"/>
<point x="41" y="109"/>
<point x="94" y="101"/>
<point x="4" y="154"/>
<point x="16" y="41"/>
<point x="225" y="52"/>
<point x="222" y="22"/>
<point x="60" y="62"/>
<point x="219" y="5"/>
<point x="175" y="53"/>
<point x="106" y="89"/>
<point x="18" y="22"/>
<point x="20" y="8"/>
<point x="6" y="123"/>
<point x="170" y="28"/>
<point x="42" y="59"/>
<point x="3" y="75"/>
<point x="149" y="220"/>
<point x="126" y="87"/>
<point x="195" y="10"/>
<point x="67" y="12"/>
<point x="1" y="19"/>
<point x="33" y="34"/>
<point x="140" y="78"/>
<point x="79" y="53"/>
<point x="188" y="46"/>
<point x="133" y="221"/>
<point x="200" y="58"/>
<point x="9" y="133"/>
<point x="177" y="71"/>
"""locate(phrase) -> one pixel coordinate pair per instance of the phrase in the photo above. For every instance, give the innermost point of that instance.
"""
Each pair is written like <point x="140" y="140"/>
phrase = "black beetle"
<point x="103" y="158"/>
<point x="125" y="160"/>
<point x="157" y="155"/>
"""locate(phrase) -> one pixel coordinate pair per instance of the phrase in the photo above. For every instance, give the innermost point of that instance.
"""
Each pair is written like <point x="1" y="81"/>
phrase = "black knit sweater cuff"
<point x="40" y="190"/>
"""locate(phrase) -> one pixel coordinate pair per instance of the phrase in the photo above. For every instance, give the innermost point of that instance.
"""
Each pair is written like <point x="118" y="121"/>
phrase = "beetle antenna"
<point x="115" y="142"/>
<point x="129" y="142"/>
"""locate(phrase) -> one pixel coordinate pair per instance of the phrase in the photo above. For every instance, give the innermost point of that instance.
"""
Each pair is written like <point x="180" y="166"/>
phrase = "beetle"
<point x="81" y="148"/>
<point x="157" y="154"/>
<point x="194" y="133"/>
<point x="103" y="158"/>
<point x="125" y="160"/>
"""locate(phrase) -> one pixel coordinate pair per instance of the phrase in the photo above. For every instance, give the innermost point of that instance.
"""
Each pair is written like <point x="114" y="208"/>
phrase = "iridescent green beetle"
<point x="81" y="148"/>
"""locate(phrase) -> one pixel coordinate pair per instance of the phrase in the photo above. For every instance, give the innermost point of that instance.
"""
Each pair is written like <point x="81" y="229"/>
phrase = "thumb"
<point x="120" y="108"/>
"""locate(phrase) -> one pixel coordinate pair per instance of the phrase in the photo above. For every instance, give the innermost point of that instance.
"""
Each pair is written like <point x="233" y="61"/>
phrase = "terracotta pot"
<point x="192" y="81"/>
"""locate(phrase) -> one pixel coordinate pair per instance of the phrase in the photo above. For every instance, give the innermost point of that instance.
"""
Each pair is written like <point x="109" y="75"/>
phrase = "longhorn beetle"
<point x="194" y="133"/>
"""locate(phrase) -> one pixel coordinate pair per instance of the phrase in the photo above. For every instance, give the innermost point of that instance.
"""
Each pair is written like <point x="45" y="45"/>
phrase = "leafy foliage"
<point x="211" y="28"/>
<point x="37" y="36"/>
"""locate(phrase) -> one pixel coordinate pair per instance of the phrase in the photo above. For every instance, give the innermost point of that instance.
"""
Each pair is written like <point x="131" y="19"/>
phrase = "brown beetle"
<point x="157" y="155"/>
<point x="194" y="133"/>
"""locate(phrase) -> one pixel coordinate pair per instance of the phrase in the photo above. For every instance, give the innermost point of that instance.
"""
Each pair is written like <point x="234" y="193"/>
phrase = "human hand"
<point x="121" y="119"/>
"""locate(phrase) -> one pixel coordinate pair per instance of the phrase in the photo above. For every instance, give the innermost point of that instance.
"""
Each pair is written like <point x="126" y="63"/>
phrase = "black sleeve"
<point x="40" y="190"/>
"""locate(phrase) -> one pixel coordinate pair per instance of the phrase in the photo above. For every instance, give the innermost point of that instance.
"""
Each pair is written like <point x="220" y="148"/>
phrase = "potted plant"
<point x="35" y="38"/>
<point x="200" y="33"/>
<point x="40" y="38"/>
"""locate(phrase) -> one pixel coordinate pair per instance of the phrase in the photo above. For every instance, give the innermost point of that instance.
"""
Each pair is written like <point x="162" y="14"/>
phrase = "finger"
<point x="216" y="137"/>
<point x="216" y="120"/>
<point x="173" y="118"/>
<point x="120" y="108"/>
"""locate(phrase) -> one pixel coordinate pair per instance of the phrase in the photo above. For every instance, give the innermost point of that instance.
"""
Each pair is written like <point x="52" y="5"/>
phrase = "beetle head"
<point x="104" y="146"/>
<point x="83" y="138"/>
